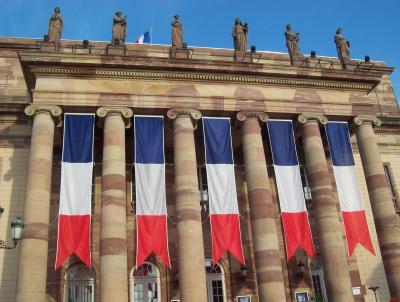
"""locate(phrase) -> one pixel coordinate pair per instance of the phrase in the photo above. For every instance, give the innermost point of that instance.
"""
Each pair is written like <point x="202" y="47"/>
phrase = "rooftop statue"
<point x="342" y="46"/>
<point x="239" y="34"/>
<point x="119" y="29"/>
<point x="177" y="33"/>
<point x="292" y="43"/>
<point x="56" y="26"/>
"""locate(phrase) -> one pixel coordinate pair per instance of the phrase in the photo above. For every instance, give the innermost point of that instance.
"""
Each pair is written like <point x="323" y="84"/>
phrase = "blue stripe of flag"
<point x="78" y="138"/>
<point x="149" y="139"/>
<point x="339" y="144"/>
<point x="218" y="141"/>
<point x="282" y="143"/>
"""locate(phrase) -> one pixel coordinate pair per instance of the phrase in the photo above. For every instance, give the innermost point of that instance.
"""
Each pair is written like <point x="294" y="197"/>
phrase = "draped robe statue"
<point x="292" y="43"/>
<point x="119" y="30"/>
<point x="239" y="34"/>
<point x="56" y="26"/>
<point x="342" y="47"/>
<point x="177" y="33"/>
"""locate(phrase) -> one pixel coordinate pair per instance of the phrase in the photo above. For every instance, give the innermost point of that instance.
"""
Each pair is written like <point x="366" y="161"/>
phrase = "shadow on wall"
<point x="14" y="154"/>
<point x="377" y="278"/>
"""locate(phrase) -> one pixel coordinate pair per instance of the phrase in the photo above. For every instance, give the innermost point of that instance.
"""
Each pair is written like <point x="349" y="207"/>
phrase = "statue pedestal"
<point x="47" y="46"/>
<point x="117" y="50"/>
<point x="246" y="57"/>
<point x="181" y="53"/>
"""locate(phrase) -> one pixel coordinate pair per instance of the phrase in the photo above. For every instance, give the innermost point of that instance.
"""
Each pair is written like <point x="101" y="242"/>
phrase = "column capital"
<point x="125" y="112"/>
<point x="359" y="120"/>
<point x="242" y="116"/>
<point x="306" y="117"/>
<point x="53" y="110"/>
<point x="194" y="114"/>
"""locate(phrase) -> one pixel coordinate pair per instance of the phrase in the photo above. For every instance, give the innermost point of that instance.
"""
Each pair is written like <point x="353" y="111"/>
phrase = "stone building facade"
<point x="39" y="82"/>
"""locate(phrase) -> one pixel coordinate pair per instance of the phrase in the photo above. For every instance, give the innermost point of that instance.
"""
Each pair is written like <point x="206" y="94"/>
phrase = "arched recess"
<point x="215" y="278"/>
<point x="79" y="284"/>
<point x="144" y="283"/>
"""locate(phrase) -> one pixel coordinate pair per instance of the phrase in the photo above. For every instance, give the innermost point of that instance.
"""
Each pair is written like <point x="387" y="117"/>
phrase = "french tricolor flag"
<point x="144" y="38"/>
<point x="351" y="203"/>
<point x="151" y="209"/>
<point x="76" y="187"/>
<point x="290" y="190"/>
<point x="224" y="213"/>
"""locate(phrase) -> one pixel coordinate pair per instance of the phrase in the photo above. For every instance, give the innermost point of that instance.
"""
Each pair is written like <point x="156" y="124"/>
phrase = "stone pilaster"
<point x="330" y="235"/>
<point x="32" y="267"/>
<point x="191" y="266"/>
<point x="113" y="240"/>
<point x="269" y="274"/>
<point x="386" y="220"/>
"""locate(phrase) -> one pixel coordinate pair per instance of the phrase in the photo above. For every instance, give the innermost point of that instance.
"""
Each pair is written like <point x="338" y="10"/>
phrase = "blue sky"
<point x="372" y="26"/>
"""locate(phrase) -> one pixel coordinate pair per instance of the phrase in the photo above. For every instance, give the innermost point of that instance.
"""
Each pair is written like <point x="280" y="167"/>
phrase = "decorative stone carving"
<point x="342" y="47"/>
<point x="292" y="43"/>
<point x="240" y="34"/>
<point x="244" y="115"/>
<point x="119" y="30"/>
<point x="201" y="77"/>
<point x="361" y="119"/>
<point x="194" y="115"/>
<point x="310" y="116"/>
<point x="53" y="110"/>
<point x="124" y="112"/>
<point x="56" y="26"/>
<point x="177" y="33"/>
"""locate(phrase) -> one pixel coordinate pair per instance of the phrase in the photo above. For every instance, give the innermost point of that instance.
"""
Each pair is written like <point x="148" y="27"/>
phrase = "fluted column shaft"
<point x="386" y="221"/>
<point x="330" y="235"/>
<point x="269" y="274"/>
<point x="32" y="268"/>
<point x="113" y="240"/>
<point x="191" y="265"/>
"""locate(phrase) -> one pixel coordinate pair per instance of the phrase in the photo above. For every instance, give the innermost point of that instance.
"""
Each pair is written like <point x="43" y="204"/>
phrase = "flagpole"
<point x="151" y="34"/>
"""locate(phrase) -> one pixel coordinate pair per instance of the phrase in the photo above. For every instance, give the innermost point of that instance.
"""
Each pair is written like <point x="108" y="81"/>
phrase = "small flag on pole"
<point x="144" y="38"/>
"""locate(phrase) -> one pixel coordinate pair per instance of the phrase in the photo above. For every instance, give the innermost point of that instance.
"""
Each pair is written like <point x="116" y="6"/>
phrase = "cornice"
<point x="94" y="72"/>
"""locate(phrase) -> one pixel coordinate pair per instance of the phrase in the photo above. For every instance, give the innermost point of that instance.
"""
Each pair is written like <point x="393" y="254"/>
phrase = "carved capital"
<point x="306" y="117"/>
<point x="259" y="115"/>
<point x="359" y="120"/>
<point x="124" y="112"/>
<point x="195" y="115"/>
<point x="53" y="110"/>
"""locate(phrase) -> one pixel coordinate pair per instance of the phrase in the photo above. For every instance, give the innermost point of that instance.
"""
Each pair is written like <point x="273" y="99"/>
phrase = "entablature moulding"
<point x="38" y="64"/>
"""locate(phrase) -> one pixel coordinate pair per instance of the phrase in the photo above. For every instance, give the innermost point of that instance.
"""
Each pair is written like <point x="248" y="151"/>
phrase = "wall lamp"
<point x="300" y="269"/>
<point x="243" y="271"/>
<point x="16" y="230"/>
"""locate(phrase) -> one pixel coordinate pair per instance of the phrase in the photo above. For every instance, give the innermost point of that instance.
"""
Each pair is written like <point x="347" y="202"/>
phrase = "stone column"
<point x="329" y="229"/>
<point x="113" y="240"/>
<point x="271" y="286"/>
<point x="32" y="265"/>
<point x="386" y="220"/>
<point x="191" y="266"/>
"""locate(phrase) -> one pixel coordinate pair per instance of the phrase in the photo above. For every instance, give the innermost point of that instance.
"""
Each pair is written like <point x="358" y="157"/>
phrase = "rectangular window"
<point x="133" y="190"/>
<point x="391" y="187"/>
<point x="203" y="186"/>
<point x="306" y="187"/>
